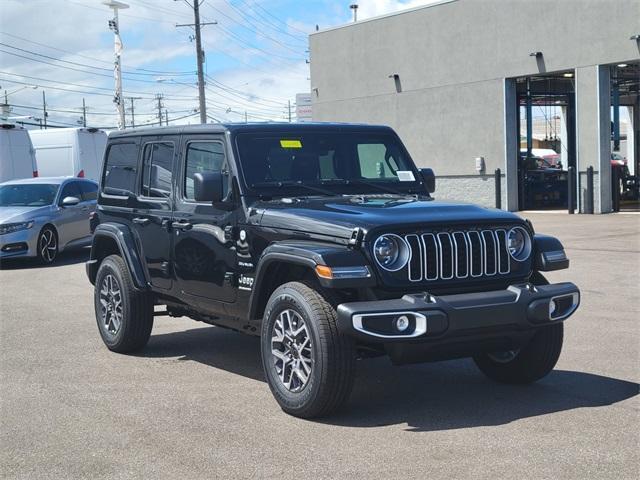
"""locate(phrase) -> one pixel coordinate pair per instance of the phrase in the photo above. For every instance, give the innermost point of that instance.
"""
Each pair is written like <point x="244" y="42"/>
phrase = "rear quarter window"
<point x="121" y="169"/>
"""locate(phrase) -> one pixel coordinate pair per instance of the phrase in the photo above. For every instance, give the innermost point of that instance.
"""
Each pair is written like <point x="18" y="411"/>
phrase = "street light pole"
<point x="115" y="26"/>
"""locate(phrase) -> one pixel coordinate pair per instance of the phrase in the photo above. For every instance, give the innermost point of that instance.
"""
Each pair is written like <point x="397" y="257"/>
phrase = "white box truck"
<point x="17" y="159"/>
<point x="72" y="152"/>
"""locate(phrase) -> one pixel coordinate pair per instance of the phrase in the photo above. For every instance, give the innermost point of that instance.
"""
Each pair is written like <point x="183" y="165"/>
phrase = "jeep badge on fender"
<point x="325" y="241"/>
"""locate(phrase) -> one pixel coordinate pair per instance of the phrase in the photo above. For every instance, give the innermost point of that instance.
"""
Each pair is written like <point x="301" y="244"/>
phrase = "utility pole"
<point x="132" y="109"/>
<point x="160" y="106"/>
<point x="166" y="117"/>
<point x="245" y="117"/>
<point x="117" y="71"/>
<point x="199" y="56"/>
<point x="289" y="111"/>
<point x="44" y="109"/>
<point x="84" y="114"/>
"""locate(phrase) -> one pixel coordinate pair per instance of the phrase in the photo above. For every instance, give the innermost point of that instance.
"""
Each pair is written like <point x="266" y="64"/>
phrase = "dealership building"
<point x="542" y="90"/>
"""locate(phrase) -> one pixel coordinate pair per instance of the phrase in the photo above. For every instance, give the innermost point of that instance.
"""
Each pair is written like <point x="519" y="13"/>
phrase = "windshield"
<point x="27" y="195"/>
<point x="331" y="162"/>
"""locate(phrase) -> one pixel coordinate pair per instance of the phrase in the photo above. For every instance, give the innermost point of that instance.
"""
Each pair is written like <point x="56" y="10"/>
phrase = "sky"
<point x="256" y="57"/>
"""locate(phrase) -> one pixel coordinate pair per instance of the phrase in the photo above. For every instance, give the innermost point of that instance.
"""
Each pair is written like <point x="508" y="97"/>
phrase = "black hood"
<point x="338" y="216"/>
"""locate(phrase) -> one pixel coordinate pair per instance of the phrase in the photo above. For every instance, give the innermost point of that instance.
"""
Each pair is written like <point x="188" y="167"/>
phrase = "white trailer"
<point x="17" y="159"/>
<point x="73" y="152"/>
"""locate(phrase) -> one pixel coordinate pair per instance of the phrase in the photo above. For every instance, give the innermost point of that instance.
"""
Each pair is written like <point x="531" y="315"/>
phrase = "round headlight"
<point x="391" y="252"/>
<point x="519" y="244"/>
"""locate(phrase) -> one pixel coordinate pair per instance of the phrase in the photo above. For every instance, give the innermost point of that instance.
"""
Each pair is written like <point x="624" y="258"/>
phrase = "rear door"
<point x="204" y="253"/>
<point x="152" y="215"/>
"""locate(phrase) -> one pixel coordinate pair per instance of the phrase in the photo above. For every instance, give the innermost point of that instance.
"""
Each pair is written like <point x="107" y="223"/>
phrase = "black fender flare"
<point x="309" y="254"/>
<point x="548" y="253"/>
<point x="124" y="239"/>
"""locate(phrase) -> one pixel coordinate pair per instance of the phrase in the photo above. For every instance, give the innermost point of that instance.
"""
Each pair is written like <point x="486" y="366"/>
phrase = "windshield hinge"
<point x="356" y="237"/>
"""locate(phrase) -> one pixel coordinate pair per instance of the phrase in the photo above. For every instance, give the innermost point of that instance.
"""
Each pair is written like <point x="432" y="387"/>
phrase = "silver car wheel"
<point x="111" y="304"/>
<point x="48" y="245"/>
<point x="291" y="350"/>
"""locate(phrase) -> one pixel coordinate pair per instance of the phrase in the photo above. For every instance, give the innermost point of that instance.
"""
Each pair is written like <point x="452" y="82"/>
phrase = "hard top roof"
<point x="245" y="127"/>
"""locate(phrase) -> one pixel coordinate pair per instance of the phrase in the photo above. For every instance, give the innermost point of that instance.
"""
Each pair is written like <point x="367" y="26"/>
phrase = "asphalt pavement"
<point x="194" y="403"/>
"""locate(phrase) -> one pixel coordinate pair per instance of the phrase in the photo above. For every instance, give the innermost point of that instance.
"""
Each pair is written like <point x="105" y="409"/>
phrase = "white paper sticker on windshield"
<point x="406" y="176"/>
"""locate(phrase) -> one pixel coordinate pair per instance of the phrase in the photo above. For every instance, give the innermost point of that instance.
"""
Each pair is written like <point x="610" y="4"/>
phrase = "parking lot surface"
<point x="194" y="403"/>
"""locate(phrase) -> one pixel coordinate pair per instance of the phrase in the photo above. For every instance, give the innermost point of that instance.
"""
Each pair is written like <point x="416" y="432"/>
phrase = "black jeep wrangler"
<point x="324" y="240"/>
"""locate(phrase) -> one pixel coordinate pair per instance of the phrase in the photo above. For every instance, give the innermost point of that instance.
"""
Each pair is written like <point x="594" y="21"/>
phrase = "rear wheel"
<point x="309" y="365"/>
<point x="124" y="314"/>
<point x="47" y="245"/>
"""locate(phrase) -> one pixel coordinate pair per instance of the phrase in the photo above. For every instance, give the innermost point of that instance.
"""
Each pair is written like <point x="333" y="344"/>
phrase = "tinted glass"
<point x="89" y="191"/>
<point x="157" y="170"/>
<point x="71" y="189"/>
<point x="121" y="169"/>
<point x="35" y="195"/>
<point x="334" y="160"/>
<point x="202" y="157"/>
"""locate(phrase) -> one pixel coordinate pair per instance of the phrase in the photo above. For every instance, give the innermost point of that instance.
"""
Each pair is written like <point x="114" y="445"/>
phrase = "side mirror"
<point x="70" y="201"/>
<point x="207" y="187"/>
<point x="429" y="179"/>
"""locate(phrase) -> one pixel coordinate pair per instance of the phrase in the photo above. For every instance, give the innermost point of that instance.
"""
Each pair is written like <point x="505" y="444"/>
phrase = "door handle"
<point x="141" y="221"/>
<point x="182" y="225"/>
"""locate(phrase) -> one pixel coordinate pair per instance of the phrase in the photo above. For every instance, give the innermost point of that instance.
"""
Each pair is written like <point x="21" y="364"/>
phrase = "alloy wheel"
<point x="48" y="245"/>
<point x="291" y="350"/>
<point x="111" y="304"/>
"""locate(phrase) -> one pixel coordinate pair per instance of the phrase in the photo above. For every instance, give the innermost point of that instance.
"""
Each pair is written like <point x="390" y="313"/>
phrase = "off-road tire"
<point x="137" y="309"/>
<point x="532" y="362"/>
<point x="333" y="354"/>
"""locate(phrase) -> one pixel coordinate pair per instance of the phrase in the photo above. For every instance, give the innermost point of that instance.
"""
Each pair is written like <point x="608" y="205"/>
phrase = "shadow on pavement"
<point x="70" y="257"/>
<point x="427" y="397"/>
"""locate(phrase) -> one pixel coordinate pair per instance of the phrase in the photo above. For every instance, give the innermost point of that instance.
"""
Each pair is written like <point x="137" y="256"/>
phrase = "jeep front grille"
<point x="458" y="255"/>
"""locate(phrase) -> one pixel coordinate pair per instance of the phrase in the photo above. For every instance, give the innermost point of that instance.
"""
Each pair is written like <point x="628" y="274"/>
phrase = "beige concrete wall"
<point x="452" y="60"/>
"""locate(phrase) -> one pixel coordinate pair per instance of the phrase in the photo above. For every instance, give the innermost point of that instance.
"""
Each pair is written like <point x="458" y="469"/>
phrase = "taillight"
<point x="81" y="174"/>
<point x="35" y="173"/>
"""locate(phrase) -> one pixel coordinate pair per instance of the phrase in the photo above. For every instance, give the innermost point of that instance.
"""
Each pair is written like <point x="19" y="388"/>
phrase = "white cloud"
<point x="151" y="42"/>
<point x="374" y="8"/>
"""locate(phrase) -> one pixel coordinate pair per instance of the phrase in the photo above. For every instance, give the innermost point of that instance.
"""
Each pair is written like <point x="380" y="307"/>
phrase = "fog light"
<point x="402" y="323"/>
<point x="552" y="308"/>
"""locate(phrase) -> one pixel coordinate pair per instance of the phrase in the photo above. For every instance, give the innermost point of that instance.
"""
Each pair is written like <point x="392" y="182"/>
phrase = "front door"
<point x="204" y="254"/>
<point x="154" y="203"/>
<point x="73" y="220"/>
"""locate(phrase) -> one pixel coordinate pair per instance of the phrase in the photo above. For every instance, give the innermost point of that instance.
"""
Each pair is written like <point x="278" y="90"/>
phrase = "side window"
<point x="202" y="157"/>
<point x="71" y="189"/>
<point x="89" y="191"/>
<point x="121" y="168"/>
<point x="157" y="169"/>
<point x="327" y="170"/>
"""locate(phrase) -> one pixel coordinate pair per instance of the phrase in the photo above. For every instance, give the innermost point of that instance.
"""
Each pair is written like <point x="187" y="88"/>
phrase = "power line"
<point x="141" y="71"/>
<point x="146" y="95"/>
<point x="67" y="67"/>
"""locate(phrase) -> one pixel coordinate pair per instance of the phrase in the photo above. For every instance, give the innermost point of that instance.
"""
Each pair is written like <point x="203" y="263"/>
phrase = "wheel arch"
<point x="109" y="239"/>
<point x="296" y="261"/>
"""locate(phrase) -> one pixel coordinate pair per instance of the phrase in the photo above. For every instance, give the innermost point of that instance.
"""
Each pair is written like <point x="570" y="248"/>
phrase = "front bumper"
<point x="500" y="318"/>
<point x="22" y="243"/>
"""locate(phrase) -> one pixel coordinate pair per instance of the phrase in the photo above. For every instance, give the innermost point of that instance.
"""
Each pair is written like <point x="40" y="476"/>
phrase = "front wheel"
<point x="47" y="245"/>
<point x="309" y="365"/>
<point x="528" y="364"/>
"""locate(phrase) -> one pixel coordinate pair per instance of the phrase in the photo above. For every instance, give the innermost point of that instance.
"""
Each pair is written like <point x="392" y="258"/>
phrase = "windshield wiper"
<point x="384" y="188"/>
<point x="291" y="183"/>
